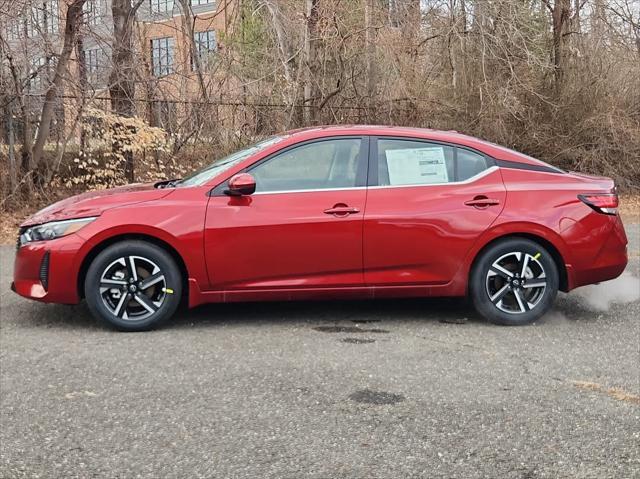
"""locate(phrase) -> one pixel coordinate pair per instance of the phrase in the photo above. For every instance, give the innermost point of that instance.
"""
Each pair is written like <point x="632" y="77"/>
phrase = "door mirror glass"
<point x="241" y="184"/>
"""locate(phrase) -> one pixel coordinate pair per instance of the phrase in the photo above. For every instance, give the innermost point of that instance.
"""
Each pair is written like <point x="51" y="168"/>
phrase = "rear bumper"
<point x="608" y="263"/>
<point x="51" y="281"/>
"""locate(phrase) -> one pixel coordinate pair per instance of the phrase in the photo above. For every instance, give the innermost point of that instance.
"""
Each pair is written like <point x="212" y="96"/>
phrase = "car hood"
<point x="93" y="203"/>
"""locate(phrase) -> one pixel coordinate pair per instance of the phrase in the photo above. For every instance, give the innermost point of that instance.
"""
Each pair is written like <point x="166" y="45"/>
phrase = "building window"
<point x="165" y="115"/>
<point x="44" y="18"/>
<point x="93" y="11"/>
<point x="161" y="6"/>
<point x="162" y="56"/>
<point x="13" y="29"/>
<point x="206" y="45"/>
<point x="93" y="62"/>
<point x="202" y="2"/>
<point x="38" y="73"/>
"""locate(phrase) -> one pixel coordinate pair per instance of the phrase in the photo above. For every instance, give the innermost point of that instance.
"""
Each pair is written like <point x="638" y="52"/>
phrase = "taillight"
<point x="606" y="203"/>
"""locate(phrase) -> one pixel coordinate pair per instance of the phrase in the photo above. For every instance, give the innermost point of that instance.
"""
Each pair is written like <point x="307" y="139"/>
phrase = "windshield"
<point x="223" y="164"/>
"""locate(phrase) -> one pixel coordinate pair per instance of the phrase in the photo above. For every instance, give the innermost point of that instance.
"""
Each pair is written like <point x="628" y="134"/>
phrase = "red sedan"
<point x="336" y="212"/>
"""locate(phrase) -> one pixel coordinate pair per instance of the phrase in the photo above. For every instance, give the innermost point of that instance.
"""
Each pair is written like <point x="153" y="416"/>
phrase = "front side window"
<point x="161" y="6"/>
<point x="410" y="162"/>
<point x="162" y="53"/>
<point x="223" y="164"/>
<point x="315" y="166"/>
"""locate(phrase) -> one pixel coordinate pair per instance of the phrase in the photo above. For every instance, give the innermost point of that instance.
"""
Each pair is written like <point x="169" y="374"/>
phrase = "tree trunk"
<point x="287" y="58"/>
<point x="369" y="40"/>
<point x="188" y="22"/>
<point x="560" y="13"/>
<point x="74" y="15"/>
<point x="83" y="83"/>
<point x="310" y="60"/>
<point x="123" y="70"/>
<point x="13" y="169"/>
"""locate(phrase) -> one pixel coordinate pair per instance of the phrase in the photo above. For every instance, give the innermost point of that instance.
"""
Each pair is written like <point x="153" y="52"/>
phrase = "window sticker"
<point x="417" y="166"/>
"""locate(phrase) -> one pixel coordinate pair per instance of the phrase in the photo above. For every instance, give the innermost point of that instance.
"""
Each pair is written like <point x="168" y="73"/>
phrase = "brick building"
<point x="168" y="72"/>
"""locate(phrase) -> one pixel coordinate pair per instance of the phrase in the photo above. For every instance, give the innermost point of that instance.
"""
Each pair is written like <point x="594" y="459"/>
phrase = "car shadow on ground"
<point x="354" y="312"/>
<point x="359" y="313"/>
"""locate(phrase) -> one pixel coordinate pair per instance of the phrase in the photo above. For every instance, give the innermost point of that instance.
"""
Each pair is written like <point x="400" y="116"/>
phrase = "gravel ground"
<point x="411" y="388"/>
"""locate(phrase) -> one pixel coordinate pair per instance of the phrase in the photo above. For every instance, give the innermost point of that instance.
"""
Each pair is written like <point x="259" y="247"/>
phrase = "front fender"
<point x="182" y="231"/>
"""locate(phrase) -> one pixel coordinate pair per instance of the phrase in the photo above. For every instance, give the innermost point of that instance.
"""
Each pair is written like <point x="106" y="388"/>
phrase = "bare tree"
<point x="560" y="14"/>
<point x="312" y="15"/>
<point x="72" y="23"/>
<point x="122" y="79"/>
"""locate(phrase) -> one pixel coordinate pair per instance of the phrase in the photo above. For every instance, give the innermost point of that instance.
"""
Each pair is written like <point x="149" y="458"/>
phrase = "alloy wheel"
<point x="516" y="282"/>
<point x="133" y="288"/>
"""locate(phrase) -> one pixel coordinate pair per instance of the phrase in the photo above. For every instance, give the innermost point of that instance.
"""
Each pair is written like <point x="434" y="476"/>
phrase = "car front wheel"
<point x="514" y="282"/>
<point x="133" y="286"/>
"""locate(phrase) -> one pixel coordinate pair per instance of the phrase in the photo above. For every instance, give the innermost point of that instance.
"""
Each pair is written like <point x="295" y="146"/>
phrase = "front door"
<point x="302" y="227"/>
<point x="428" y="205"/>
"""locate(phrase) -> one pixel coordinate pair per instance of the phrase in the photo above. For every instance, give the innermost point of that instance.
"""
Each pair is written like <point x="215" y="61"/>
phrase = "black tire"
<point x="510" y="305"/>
<point x="121" y="298"/>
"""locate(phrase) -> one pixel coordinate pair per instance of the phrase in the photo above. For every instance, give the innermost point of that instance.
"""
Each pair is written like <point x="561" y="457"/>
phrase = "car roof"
<point x="446" y="136"/>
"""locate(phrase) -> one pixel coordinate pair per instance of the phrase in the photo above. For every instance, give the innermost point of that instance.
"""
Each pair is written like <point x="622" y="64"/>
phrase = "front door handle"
<point x="341" y="209"/>
<point x="482" y="201"/>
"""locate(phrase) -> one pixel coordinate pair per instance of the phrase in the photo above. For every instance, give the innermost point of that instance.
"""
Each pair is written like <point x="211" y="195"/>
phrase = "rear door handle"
<point x="482" y="202"/>
<point x="341" y="209"/>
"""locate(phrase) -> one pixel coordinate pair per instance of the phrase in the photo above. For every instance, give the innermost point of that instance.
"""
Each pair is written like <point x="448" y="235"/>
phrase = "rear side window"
<point x="406" y="162"/>
<point x="409" y="162"/>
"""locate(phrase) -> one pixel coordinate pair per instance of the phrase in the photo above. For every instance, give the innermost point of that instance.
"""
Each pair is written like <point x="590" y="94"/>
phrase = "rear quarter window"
<point x="469" y="164"/>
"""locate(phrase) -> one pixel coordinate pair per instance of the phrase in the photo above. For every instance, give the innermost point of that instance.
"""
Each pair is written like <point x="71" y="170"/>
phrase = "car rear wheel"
<point x="133" y="286"/>
<point x="514" y="282"/>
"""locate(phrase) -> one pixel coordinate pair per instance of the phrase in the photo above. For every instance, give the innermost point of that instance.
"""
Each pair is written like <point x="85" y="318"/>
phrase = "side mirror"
<point x="241" y="184"/>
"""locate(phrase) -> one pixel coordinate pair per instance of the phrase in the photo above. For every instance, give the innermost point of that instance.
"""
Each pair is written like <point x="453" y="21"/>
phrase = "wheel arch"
<point x="105" y="243"/>
<point x="542" y="241"/>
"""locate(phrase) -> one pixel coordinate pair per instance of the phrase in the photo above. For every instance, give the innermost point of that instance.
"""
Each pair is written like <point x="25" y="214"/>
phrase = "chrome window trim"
<point x="482" y="174"/>
<point x="315" y="190"/>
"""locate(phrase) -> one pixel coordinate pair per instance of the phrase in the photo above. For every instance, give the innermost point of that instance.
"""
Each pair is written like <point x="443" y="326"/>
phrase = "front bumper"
<point x="52" y="280"/>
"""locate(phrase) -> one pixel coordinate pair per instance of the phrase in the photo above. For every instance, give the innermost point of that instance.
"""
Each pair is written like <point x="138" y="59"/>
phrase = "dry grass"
<point x="630" y="208"/>
<point x="615" y="393"/>
<point x="9" y="222"/>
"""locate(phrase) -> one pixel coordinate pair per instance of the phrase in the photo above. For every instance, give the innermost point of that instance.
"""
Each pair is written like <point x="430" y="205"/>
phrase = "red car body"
<point x="394" y="242"/>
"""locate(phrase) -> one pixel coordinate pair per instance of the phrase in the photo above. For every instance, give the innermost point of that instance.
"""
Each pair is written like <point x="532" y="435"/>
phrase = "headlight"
<point x="52" y="230"/>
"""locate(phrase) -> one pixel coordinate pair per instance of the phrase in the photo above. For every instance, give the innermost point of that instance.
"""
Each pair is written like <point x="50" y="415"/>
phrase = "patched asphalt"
<point x="398" y="388"/>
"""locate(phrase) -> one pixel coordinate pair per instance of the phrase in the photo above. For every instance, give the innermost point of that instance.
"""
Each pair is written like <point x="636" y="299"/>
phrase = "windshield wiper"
<point x="167" y="183"/>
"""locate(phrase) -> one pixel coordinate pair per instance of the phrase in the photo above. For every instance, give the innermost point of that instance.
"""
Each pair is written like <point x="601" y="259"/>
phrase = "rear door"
<point x="302" y="227"/>
<point x="427" y="204"/>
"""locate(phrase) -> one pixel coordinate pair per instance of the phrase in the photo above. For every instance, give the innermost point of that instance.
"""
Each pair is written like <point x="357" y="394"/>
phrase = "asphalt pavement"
<point x="389" y="389"/>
